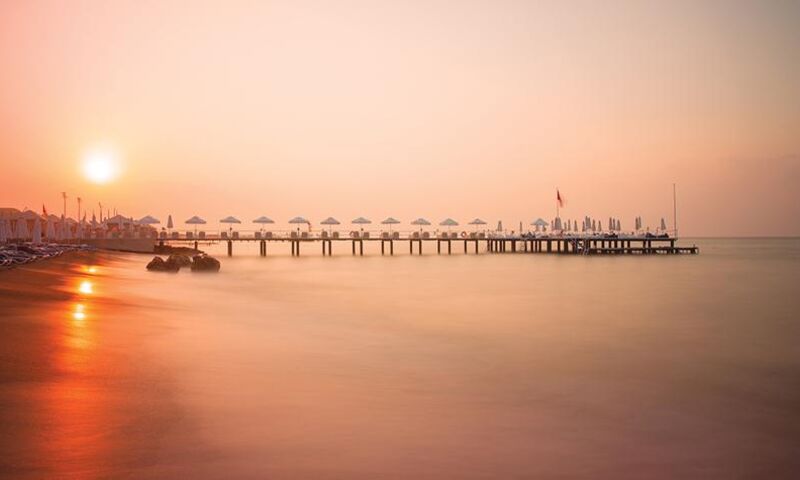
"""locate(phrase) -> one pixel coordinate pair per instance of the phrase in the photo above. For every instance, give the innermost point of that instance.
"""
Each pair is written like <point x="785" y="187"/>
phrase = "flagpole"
<point x="674" y="210"/>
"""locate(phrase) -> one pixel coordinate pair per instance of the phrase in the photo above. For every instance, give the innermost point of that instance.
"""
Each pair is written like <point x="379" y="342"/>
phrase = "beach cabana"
<point x="22" y="229"/>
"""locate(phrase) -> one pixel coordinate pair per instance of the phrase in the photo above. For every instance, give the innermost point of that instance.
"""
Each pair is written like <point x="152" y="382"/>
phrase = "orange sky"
<point x="435" y="109"/>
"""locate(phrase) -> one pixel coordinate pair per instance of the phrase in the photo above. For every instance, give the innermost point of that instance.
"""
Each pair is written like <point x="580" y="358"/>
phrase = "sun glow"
<point x="100" y="166"/>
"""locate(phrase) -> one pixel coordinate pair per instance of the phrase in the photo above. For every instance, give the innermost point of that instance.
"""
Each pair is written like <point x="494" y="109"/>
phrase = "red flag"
<point x="559" y="199"/>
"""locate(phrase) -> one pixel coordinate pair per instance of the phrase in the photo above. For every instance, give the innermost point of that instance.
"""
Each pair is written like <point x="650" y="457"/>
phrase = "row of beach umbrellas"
<point x="330" y="221"/>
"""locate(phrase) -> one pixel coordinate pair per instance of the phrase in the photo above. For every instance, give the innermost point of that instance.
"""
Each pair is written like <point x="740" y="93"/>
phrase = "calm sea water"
<point x="462" y="366"/>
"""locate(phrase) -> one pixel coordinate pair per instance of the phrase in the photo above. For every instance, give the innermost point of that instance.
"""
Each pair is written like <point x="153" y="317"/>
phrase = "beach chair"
<point x="303" y="234"/>
<point x="201" y="235"/>
<point x="481" y="235"/>
<point x="396" y="235"/>
<point x="293" y="234"/>
<point x="415" y="235"/>
<point x="223" y="235"/>
<point x="454" y="235"/>
<point x="355" y="234"/>
<point x="235" y="234"/>
<point x="267" y="234"/>
<point x="366" y="235"/>
<point x="324" y="234"/>
<point x="176" y="235"/>
<point x="189" y="235"/>
<point x="257" y="235"/>
<point x="426" y="235"/>
<point x="162" y="235"/>
<point x="335" y="234"/>
<point x="385" y="235"/>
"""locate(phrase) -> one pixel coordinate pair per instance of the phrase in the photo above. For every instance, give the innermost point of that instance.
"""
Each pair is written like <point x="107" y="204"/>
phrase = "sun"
<point x="100" y="166"/>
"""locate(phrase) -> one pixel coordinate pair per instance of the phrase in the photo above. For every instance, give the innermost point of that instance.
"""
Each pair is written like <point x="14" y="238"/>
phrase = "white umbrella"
<point x="169" y="222"/>
<point x="148" y="220"/>
<point x="420" y="222"/>
<point x="361" y="221"/>
<point x="230" y="220"/>
<point x="499" y="225"/>
<point x="330" y="221"/>
<point x="663" y="225"/>
<point x="195" y="220"/>
<point x="448" y="222"/>
<point x="300" y="220"/>
<point x="477" y="222"/>
<point x="390" y="221"/>
<point x="263" y="220"/>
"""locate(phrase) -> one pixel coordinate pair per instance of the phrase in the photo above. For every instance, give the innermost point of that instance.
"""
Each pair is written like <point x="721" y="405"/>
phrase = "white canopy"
<point x="448" y="222"/>
<point x="390" y="221"/>
<point x="22" y="229"/>
<point x="330" y="221"/>
<point x="37" y="232"/>
<point x="148" y="220"/>
<point x="420" y="221"/>
<point x="477" y="221"/>
<point x="361" y="221"/>
<point x="230" y="219"/>
<point x="3" y="232"/>
<point x="539" y="223"/>
<point x="195" y="220"/>
<point x="50" y="231"/>
<point x="298" y="220"/>
<point x="263" y="219"/>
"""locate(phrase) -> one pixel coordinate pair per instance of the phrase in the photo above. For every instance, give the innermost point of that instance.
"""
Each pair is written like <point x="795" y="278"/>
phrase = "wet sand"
<point x="78" y="398"/>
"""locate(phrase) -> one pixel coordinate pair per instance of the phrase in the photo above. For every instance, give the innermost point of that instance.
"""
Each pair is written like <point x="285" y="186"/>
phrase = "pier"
<point x="446" y="244"/>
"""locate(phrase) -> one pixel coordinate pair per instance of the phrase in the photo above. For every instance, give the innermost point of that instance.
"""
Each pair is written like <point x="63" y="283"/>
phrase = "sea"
<point x="462" y="366"/>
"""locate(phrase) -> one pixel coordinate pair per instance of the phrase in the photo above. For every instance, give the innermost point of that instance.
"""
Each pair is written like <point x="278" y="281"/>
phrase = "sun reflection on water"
<point x="86" y="287"/>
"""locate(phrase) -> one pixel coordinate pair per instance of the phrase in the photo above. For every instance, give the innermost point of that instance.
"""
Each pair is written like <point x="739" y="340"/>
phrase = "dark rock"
<point x="180" y="259"/>
<point x="204" y="263"/>
<point x="157" y="264"/>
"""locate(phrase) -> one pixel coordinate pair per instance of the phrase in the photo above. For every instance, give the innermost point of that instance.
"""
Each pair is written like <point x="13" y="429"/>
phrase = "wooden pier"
<point x="567" y="245"/>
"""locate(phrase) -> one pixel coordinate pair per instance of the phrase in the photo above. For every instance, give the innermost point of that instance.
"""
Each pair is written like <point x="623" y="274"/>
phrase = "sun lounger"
<point x="415" y="235"/>
<point x="366" y="235"/>
<point x="201" y="235"/>
<point x="385" y="235"/>
<point x="454" y="235"/>
<point x="189" y="235"/>
<point x="293" y="234"/>
<point x="324" y="234"/>
<point x="176" y="235"/>
<point x="335" y="234"/>
<point x="396" y="235"/>
<point x="235" y="234"/>
<point x="257" y="235"/>
<point x="223" y="235"/>
<point x="426" y="235"/>
<point x="267" y="234"/>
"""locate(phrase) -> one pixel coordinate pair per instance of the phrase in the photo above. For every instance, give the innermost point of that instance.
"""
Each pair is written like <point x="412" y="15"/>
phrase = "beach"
<point x="462" y="366"/>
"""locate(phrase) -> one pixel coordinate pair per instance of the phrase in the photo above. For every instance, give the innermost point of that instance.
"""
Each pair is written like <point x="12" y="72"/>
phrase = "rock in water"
<point x="204" y="263"/>
<point x="157" y="264"/>
<point x="180" y="259"/>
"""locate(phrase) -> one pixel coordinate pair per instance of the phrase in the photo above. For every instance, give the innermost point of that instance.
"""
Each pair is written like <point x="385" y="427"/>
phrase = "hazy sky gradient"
<point x="422" y="108"/>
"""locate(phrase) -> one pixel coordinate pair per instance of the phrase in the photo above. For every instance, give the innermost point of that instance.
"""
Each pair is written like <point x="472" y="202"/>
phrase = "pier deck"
<point x="638" y="245"/>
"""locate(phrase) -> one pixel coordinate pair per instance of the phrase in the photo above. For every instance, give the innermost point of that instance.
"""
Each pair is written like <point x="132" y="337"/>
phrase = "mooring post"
<point x="230" y="248"/>
<point x="476" y="247"/>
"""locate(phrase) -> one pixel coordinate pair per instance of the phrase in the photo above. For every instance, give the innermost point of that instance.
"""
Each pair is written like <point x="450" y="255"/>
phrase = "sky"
<point x="428" y="108"/>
